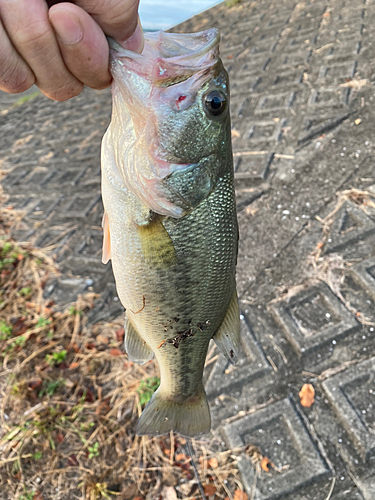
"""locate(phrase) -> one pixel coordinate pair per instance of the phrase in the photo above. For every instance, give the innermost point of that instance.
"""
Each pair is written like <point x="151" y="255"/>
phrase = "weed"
<point x="28" y="495"/>
<point x="95" y="491"/>
<point x="56" y="358"/>
<point x="94" y="450"/>
<point x="51" y="387"/>
<point x="17" y="342"/>
<point x="7" y="247"/>
<point x="5" y="330"/>
<point x="146" y="389"/>
<point x="42" y="322"/>
<point x="16" y="467"/>
<point x="73" y="311"/>
<point x="87" y="426"/>
<point x="7" y="261"/>
<point x="232" y="3"/>
<point x="26" y="98"/>
<point x="24" y="292"/>
<point x="9" y="255"/>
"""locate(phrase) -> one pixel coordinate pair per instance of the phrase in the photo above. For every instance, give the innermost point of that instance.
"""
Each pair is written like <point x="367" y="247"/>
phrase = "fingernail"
<point x="67" y="27"/>
<point x="136" y="41"/>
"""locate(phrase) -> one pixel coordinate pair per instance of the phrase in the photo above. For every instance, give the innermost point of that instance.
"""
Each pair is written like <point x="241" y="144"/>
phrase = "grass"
<point x="20" y="101"/>
<point x="56" y="358"/>
<point x="232" y="3"/>
<point x="5" y="330"/>
<point x="146" y="389"/>
<point x="26" y="98"/>
<point x="71" y="400"/>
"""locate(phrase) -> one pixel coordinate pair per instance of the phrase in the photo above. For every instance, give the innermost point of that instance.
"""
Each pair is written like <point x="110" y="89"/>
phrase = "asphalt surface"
<point x="302" y="103"/>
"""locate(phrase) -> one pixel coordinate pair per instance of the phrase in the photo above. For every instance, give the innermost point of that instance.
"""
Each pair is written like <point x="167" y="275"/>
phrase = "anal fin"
<point x="227" y="337"/>
<point x="137" y="349"/>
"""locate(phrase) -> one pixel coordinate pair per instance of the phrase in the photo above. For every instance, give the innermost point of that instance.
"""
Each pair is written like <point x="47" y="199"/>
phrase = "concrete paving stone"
<point x="251" y="169"/>
<point x="351" y="224"/>
<point x="312" y="317"/>
<point x="302" y="74"/>
<point x="352" y="394"/>
<point x="364" y="273"/>
<point x="282" y="436"/>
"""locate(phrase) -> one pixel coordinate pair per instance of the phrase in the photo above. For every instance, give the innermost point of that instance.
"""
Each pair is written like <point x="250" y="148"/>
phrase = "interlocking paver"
<point x="280" y="432"/>
<point x="352" y="395"/>
<point x="313" y="317"/>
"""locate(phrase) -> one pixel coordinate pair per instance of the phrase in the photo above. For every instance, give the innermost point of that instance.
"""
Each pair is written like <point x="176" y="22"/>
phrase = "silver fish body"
<point x="170" y="223"/>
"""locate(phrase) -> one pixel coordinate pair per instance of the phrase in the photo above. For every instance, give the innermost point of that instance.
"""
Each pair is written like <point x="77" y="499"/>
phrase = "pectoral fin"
<point x="106" y="252"/>
<point x="157" y="245"/>
<point x="227" y="337"/>
<point x="136" y="348"/>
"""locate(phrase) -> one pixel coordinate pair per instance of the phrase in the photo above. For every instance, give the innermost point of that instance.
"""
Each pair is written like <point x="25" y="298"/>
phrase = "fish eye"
<point x="215" y="102"/>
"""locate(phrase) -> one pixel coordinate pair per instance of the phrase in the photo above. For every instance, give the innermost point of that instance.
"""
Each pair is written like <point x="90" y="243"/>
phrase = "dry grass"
<point x="70" y="401"/>
<point x="331" y="268"/>
<point x="363" y="199"/>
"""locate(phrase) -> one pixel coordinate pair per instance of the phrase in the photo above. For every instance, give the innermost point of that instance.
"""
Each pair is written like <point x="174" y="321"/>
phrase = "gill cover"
<point x="152" y="95"/>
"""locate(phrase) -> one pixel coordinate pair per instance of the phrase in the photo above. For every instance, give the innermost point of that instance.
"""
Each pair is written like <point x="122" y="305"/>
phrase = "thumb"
<point x="136" y="41"/>
<point x="118" y="19"/>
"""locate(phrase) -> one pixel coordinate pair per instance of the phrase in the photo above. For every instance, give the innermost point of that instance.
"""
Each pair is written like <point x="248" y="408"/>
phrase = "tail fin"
<point x="189" y="418"/>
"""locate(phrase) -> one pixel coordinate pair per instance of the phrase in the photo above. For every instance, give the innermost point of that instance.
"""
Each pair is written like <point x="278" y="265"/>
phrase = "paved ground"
<point x="303" y="114"/>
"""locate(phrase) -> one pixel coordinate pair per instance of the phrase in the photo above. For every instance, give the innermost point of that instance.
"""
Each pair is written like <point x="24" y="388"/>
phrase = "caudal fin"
<point x="189" y="418"/>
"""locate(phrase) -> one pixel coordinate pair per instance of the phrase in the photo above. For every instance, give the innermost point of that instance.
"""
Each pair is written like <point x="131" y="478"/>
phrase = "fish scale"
<point x="174" y="268"/>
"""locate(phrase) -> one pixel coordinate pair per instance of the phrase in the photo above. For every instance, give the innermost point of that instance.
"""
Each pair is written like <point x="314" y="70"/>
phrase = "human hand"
<point x="62" y="48"/>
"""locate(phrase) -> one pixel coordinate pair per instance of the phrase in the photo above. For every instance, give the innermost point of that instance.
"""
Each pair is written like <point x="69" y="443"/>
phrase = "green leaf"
<point x="94" y="450"/>
<point x="146" y="389"/>
<point x="5" y="330"/>
<point x="42" y="322"/>
<point x="56" y="358"/>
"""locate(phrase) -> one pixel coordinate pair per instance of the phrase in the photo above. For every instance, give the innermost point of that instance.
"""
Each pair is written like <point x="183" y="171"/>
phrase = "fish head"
<point x="171" y="104"/>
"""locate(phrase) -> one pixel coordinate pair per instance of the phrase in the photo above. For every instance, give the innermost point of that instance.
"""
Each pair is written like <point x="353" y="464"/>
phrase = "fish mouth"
<point x="169" y="58"/>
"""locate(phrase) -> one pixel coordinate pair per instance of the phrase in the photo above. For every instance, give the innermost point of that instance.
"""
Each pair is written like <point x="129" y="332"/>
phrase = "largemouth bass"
<point x="170" y="224"/>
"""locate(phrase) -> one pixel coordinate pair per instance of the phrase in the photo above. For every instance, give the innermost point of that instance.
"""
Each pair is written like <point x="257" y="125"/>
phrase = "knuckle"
<point x="15" y="79"/>
<point x="33" y="37"/>
<point x="65" y="92"/>
<point x="114" y="14"/>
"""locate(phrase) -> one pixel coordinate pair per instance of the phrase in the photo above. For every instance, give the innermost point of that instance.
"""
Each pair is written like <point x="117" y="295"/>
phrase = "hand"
<point x="62" y="48"/>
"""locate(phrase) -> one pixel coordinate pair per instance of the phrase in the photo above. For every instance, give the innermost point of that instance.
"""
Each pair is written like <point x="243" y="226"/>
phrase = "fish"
<point x="170" y="224"/>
